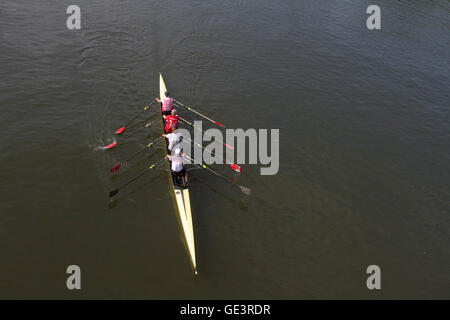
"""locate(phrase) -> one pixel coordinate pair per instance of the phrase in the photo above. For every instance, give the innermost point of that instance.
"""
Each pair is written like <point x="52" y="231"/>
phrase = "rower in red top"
<point x="166" y="104"/>
<point x="171" y="122"/>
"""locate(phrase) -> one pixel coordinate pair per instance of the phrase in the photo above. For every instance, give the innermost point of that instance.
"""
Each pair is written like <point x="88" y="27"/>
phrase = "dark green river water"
<point x="364" y="125"/>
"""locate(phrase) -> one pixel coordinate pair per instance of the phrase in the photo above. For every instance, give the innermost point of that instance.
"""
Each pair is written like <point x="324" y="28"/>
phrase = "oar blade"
<point x="235" y="167"/>
<point x="246" y="190"/>
<point x="220" y="125"/>
<point x="113" y="193"/>
<point x="112" y="145"/>
<point x="120" y="130"/>
<point x="116" y="167"/>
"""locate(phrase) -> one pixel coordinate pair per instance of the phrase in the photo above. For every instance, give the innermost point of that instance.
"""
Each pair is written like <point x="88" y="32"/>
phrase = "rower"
<point x="177" y="165"/>
<point x="166" y="104"/>
<point x="173" y="139"/>
<point x="171" y="121"/>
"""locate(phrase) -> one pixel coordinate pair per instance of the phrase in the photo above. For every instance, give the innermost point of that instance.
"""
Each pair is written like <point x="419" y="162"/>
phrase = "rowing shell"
<point x="181" y="195"/>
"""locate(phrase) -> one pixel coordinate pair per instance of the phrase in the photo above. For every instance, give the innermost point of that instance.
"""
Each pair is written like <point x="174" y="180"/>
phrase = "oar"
<point x="116" y="191"/>
<point x="201" y="115"/>
<point x="245" y="190"/>
<point x="142" y="121"/>
<point x="233" y="166"/>
<point x="112" y="145"/>
<point x="120" y="130"/>
<point x="117" y="166"/>
<point x="193" y="126"/>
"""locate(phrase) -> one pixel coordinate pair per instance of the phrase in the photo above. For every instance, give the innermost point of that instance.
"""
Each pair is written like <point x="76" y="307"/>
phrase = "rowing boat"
<point x="181" y="194"/>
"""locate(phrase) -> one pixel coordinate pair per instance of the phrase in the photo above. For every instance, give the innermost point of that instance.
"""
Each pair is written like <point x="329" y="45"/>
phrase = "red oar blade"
<point x="112" y="145"/>
<point x="119" y="131"/>
<point x="116" y="167"/>
<point x="219" y="124"/>
<point x="235" y="167"/>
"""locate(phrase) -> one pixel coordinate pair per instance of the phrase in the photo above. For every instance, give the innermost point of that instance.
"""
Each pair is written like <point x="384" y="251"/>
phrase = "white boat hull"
<point x="183" y="203"/>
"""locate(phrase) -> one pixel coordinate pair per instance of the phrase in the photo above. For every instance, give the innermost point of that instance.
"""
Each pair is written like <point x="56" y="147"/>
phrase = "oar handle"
<point x="156" y="163"/>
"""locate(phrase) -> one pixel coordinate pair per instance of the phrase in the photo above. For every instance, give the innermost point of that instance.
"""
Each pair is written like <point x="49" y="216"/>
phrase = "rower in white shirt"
<point x="173" y="139"/>
<point x="177" y="164"/>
